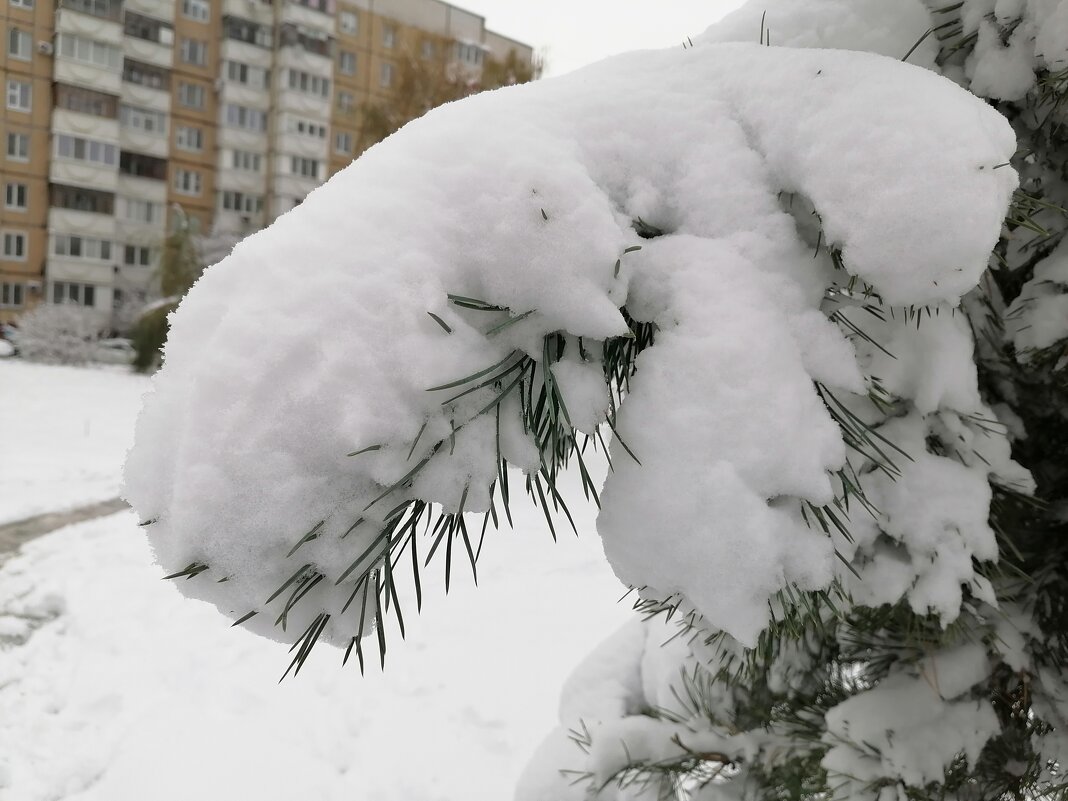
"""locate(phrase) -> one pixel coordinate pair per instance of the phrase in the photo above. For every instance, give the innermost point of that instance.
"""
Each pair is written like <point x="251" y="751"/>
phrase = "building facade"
<point x="117" y="112"/>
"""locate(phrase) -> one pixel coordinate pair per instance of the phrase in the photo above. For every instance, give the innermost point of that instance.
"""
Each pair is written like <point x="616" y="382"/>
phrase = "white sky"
<point x="574" y="33"/>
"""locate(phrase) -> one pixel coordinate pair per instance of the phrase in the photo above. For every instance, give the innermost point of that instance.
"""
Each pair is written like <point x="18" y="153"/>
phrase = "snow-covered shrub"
<point x="745" y="265"/>
<point x="59" y="333"/>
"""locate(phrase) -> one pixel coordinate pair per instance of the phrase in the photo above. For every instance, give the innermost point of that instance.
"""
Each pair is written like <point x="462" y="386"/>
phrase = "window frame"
<point x="17" y="91"/>
<point x="13" y="235"/>
<point x="12" y="190"/>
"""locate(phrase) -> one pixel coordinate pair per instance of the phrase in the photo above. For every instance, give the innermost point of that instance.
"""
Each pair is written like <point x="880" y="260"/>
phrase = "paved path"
<point x="12" y="535"/>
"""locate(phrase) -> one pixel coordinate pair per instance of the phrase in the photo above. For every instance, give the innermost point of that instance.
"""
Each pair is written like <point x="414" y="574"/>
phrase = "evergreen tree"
<point x="846" y="697"/>
<point x="839" y="484"/>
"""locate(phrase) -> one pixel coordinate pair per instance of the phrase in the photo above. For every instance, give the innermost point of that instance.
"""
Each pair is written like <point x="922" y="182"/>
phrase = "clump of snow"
<point x="243" y="447"/>
<point x="1038" y="318"/>
<point x="912" y="726"/>
<point x="887" y="27"/>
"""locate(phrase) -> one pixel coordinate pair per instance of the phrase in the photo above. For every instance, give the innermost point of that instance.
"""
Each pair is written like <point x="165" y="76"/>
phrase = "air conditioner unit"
<point x="45" y="48"/>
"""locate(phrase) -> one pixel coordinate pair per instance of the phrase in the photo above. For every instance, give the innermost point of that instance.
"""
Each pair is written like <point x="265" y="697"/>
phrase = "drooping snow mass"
<point x="317" y="339"/>
<point x="899" y="686"/>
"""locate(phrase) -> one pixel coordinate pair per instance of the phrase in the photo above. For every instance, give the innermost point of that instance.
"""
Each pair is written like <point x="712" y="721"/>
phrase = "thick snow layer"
<point x="909" y="727"/>
<point x="241" y="447"/>
<point x="64" y="433"/>
<point x="1038" y="318"/>
<point x="887" y="27"/>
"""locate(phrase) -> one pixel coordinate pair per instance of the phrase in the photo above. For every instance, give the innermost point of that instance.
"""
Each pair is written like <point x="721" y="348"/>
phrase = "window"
<point x="18" y="146"/>
<point x="468" y="53"/>
<point x="139" y="165"/>
<point x="86" y="101"/>
<point x="22" y="3"/>
<point x="343" y="142"/>
<point x="187" y="182"/>
<point x="309" y="40"/>
<point x="143" y="119"/>
<point x="244" y="160"/>
<point x="152" y="30"/>
<point x="89" y="51"/>
<point x="137" y="256"/>
<point x="200" y="10"/>
<point x="191" y="95"/>
<point x="81" y="247"/>
<point x="348" y="22"/>
<point x="306" y="128"/>
<point x="345" y="101"/>
<point x="243" y="30"/>
<point x="16" y="196"/>
<point x="78" y="294"/>
<point x="307" y="168"/>
<point x="429" y="51"/>
<point x="77" y="198"/>
<point x="256" y="77"/>
<point x="144" y="211"/>
<point x="251" y="119"/>
<point x="15" y="245"/>
<point x="308" y="83"/>
<point x="194" y="51"/>
<point x="78" y="148"/>
<point x="19" y="44"/>
<point x="10" y="295"/>
<point x="189" y="138"/>
<point x="389" y="36"/>
<point x="346" y="63"/>
<point x="326" y="6"/>
<point x="108" y="9"/>
<point x="19" y="95"/>
<point x="385" y="75"/>
<point x="241" y="202"/>
<point x="145" y="74"/>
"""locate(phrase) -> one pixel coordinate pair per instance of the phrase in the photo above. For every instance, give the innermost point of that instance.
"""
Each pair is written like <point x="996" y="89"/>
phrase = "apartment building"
<point x="118" y="111"/>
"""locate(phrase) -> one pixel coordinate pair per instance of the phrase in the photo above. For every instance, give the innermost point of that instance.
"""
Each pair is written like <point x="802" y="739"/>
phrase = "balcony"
<point x="307" y="17"/>
<point x="149" y="52"/>
<point x="253" y="55"/>
<point x="90" y="76"/>
<point x="73" y="221"/>
<point x="296" y="56"/>
<point x="102" y="29"/>
<point x="242" y="95"/>
<point x="152" y="144"/>
<point x="252" y="10"/>
<point x="84" y="271"/>
<point x="240" y="139"/>
<point x="303" y="104"/>
<point x="146" y="97"/>
<point x="294" y="185"/>
<point x="87" y="125"/>
<point x="245" y="181"/>
<point x="83" y="173"/>
<point x="142" y="188"/>
<point x="298" y="144"/>
<point x="138" y="232"/>
<point x="160" y="9"/>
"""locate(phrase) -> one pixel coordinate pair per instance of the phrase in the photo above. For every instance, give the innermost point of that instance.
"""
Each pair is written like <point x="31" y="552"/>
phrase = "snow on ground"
<point x="113" y="687"/>
<point x="64" y="432"/>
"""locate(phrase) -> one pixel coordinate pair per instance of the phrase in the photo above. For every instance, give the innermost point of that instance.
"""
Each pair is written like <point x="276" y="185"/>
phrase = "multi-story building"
<point x="118" y="112"/>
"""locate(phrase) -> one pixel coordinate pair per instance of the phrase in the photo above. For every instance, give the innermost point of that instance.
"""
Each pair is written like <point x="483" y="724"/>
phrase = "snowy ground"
<point x="114" y="688"/>
<point x="64" y="432"/>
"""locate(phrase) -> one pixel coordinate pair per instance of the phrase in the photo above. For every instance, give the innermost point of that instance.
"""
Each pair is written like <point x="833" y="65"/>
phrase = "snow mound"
<point x="273" y="462"/>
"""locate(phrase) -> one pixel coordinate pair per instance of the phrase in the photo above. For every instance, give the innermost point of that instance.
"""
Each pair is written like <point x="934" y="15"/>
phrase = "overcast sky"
<point x="577" y="32"/>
